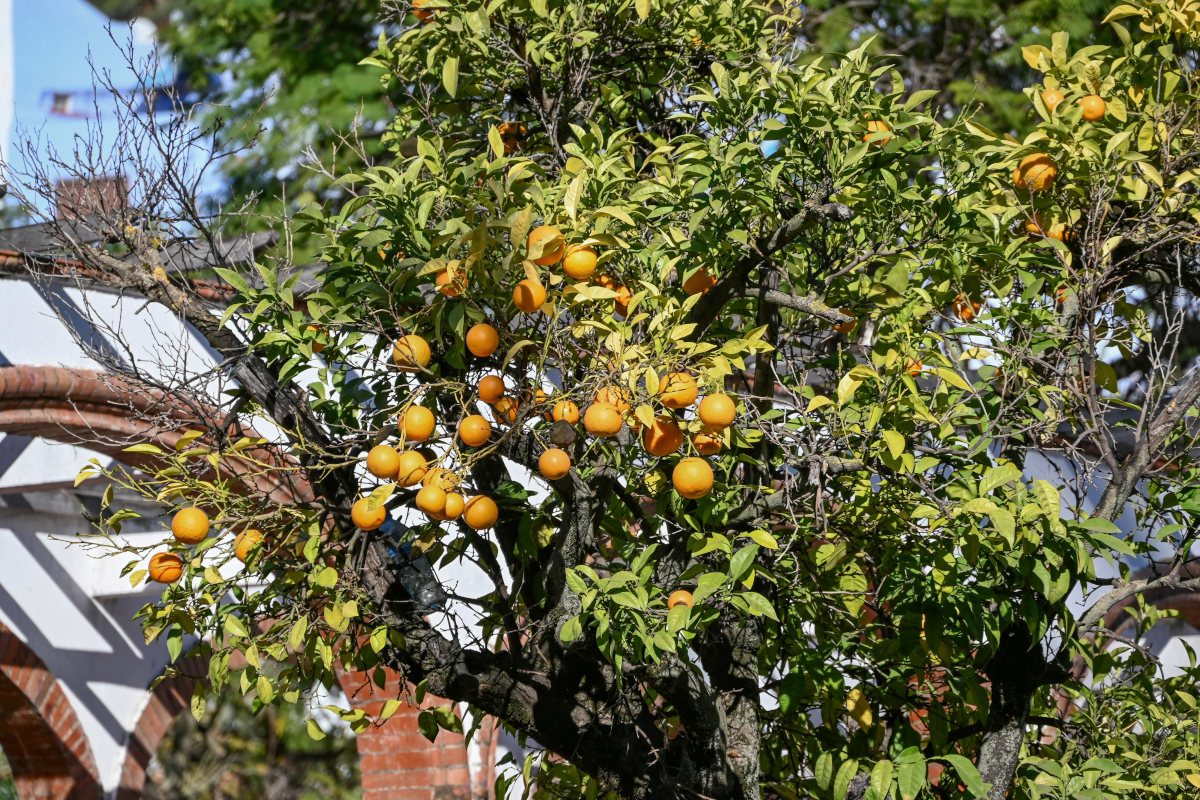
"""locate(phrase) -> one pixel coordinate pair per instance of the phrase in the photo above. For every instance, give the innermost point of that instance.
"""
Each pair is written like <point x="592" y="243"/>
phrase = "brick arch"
<point x="170" y="698"/>
<point x="107" y="413"/>
<point x="40" y="735"/>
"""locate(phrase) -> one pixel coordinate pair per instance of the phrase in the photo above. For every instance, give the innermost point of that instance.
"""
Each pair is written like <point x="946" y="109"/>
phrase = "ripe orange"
<point x="506" y="410"/>
<point x="317" y="346"/>
<point x="565" y="410"/>
<point x="1052" y="97"/>
<point x="717" y="411"/>
<point x="366" y="518"/>
<point x="491" y="388"/>
<point x="1093" y="107"/>
<point x="481" y="512"/>
<point x="551" y="240"/>
<point x="913" y="366"/>
<point x="1061" y="232"/>
<point x="965" y="308"/>
<point x="474" y="430"/>
<point x="677" y="390"/>
<point x="692" y="477"/>
<point x="845" y="327"/>
<point x="431" y="500"/>
<point x="417" y="423"/>
<point x="707" y="443"/>
<point x="554" y="464"/>
<point x="700" y="281"/>
<point x="624" y="296"/>
<point x="580" y="262"/>
<point x="451" y="287"/>
<point x="614" y="396"/>
<point x="482" y="340"/>
<point x="663" y="437"/>
<point x="511" y="134"/>
<point x="455" y="503"/>
<point x="877" y="126"/>
<point x="442" y="478"/>
<point x="422" y="15"/>
<point x="411" y="353"/>
<point x="245" y="542"/>
<point x="411" y="468"/>
<point x="602" y="419"/>
<point x="383" y="461"/>
<point x="190" y="525"/>
<point x="1036" y="224"/>
<point x="165" y="567"/>
<point x="1035" y="172"/>
<point x="679" y="596"/>
<point x="529" y="296"/>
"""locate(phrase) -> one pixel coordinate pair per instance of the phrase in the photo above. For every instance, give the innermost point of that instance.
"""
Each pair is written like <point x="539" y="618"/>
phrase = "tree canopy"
<point x="863" y="388"/>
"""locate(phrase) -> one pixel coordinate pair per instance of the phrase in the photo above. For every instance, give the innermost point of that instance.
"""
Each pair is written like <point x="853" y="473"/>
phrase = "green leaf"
<point x="1100" y="525"/>
<point x="706" y="584"/>
<point x="450" y="76"/>
<point x="911" y="778"/>
<point x="571" y="630"/>
<point x="199" y="701"/>
<point x="845" y="774"/>
<point x="881" y="780"/>
<point x="741" y="562"/>
<point x="966" y="773"/>
<point x="895" y="442"/>
<point x="759" y="605"/>
<point x="296" y="637"/>
<point x="677" y="618"/>
<point x="427" y="724"/>
<point x="764" y="539"/>
<point x="235" y="627"/>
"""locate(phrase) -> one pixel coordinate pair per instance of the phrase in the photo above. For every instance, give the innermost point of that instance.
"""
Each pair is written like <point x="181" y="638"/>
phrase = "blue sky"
<point x="51" y="43"/>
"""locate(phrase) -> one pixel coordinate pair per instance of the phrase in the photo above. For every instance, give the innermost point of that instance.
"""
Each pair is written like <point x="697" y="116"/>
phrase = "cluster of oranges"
<point x="190" y="526"/>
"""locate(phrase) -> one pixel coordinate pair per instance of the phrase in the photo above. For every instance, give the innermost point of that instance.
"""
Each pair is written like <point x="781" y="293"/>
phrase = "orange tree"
<point x="837" y="402"/>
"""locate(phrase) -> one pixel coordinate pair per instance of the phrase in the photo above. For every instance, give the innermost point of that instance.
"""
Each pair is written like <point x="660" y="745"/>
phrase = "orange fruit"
<point x="845" y="327"/>
<point x="602" y="419"/>
<point x="451" y="287"/>
<point x="506" y="410"/>
<point x="455" y="503"/>
<point x="965" y="308"/>
<point x="1035" y="172"/>
<point x="1035" y="225"/>
<point x="717" y="411"/>
<point x="511" y="133"/>
<point x="529" y="296"/>
<point x="580" y="262"/>
<point x="474" y="430"/>
<point x="699" y="282"/>
<point x="677" y="390"/>
<point x="913" y="366"/>
<point x="565" y="410"/>
<point x="411" y="353"/>
<point x="707" y="443"/>
<point x="423" y="16"/>
<point x="491" y="388"/>
<point x="551" y="240"/>
<point x="614" y="396"/>
<point x="383" y="461"/>
<point x="692" y="477"/>
<point x="624" y="296"/>
<point x="679" y="596"/>
<point x="417" y="423"/>
<point x="481" y="512"/>
<point x="442" y="478"/>
<point x="431" y="500"/>
<point x="411" y="468"/>
<point x="1052" y="97"/>
<point x="366" y="518"/>
<point x="554" y="464"/>
<point x="482" y="340"/>
<point x="245" y="542"/>
<point x="1061" y="232"/>
<point x="165" y="567"/>
<point x="877" y="126"/>
<point x="317" y="346"/>
<point x="663" y="437"/>
<point x="190" y="525"/>
<point x="1093" y="107"/>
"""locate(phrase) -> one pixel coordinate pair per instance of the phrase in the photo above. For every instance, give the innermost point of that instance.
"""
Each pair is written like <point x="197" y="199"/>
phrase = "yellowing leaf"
<point x="894" y="441"/>
<point x="818" y="402"/>
<point x="860" y="710"/>
<point x="953" y="378"/>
